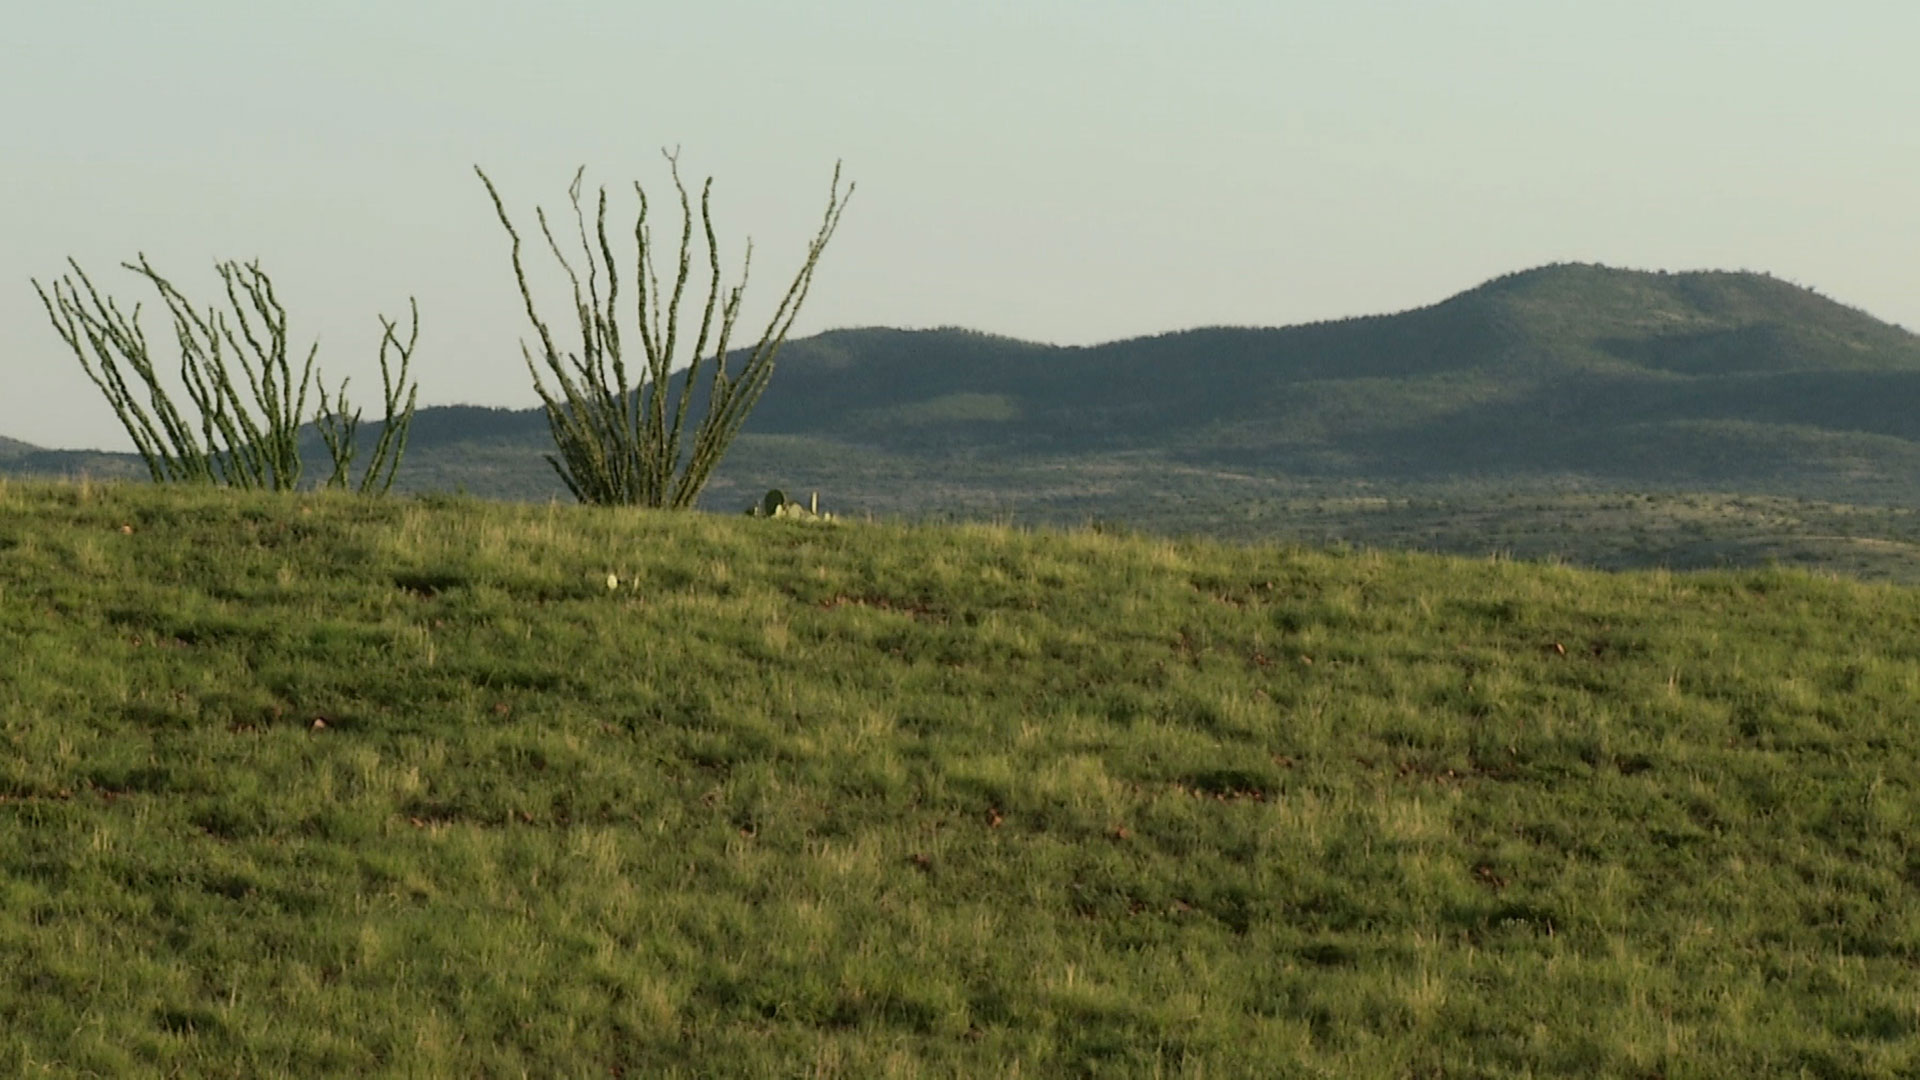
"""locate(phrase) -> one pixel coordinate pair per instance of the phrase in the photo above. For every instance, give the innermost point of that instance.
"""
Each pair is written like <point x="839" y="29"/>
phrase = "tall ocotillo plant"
<point x="619" y="443"/>
<point x="250" y="440"/>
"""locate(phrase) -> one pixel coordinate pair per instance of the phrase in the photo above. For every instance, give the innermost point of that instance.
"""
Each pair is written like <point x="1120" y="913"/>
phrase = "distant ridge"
<point x="1582" y="345"/>
<point x="1570" y="374"/>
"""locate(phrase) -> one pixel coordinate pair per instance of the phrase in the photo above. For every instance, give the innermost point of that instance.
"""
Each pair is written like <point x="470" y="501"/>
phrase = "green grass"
<point x="299" y="785"/>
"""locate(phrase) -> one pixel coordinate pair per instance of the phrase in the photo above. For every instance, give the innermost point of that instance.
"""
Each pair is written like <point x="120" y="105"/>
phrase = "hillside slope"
<point x="1559" y="368"/>
<point x="306" y="785"/>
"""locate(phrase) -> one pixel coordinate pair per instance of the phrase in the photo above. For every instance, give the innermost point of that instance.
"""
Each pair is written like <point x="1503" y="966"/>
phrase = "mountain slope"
<point x="1494" y="378"/>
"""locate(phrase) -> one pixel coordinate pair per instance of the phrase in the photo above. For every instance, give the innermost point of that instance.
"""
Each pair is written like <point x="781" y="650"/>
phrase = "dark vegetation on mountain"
<point x="1562" y="381"/>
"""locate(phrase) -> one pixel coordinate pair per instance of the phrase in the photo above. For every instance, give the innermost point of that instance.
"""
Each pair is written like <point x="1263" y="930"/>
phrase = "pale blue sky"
<point x="1063" y="170"/>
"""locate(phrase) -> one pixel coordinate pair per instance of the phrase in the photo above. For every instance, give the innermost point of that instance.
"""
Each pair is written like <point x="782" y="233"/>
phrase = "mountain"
<point x="1562" y="379"/>
<point x="19" y="458"/>
<point x="1611" y="375"/>
<point x="1569" y="369"/>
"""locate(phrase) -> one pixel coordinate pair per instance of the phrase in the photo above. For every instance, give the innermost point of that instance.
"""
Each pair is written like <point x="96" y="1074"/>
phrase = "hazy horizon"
<point x="1055" y="170"/>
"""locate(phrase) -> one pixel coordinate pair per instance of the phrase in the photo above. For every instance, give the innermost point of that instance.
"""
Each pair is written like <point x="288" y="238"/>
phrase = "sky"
<point x="1068" y="171"/>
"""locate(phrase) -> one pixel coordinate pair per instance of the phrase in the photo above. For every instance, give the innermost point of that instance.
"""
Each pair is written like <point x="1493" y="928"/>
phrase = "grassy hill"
<point x="304" y="785"/>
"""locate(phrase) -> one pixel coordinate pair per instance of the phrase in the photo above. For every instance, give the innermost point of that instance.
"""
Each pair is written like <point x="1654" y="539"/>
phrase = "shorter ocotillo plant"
<point x="620" y="443"/>
<point x="339" y="426"/>
<point x="247" y="441"/>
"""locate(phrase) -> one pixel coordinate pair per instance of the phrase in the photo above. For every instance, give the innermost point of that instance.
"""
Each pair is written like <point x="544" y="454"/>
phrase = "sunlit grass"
<point x="295" y="785"/>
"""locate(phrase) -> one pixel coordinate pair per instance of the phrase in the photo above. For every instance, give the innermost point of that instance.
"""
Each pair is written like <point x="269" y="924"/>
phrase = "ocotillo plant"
<point x="338" y="426"/>
<point x="619" y="443"/>
<point x="238" y="442"/>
